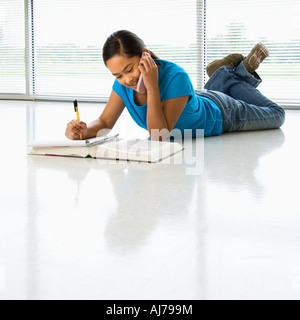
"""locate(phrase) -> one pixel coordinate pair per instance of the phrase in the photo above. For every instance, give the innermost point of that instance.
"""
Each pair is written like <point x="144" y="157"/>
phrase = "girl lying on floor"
<point x="229" y="103"/>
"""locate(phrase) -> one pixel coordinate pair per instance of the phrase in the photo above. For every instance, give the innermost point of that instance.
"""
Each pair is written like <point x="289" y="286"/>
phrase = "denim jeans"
<point x="243" y="107"/>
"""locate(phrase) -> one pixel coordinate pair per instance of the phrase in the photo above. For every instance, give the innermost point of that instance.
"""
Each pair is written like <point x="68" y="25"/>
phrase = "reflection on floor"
<point x="87" y="229"/>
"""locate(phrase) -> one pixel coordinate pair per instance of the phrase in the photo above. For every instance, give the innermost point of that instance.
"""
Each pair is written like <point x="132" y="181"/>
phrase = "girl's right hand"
<point x="76" y="129"/>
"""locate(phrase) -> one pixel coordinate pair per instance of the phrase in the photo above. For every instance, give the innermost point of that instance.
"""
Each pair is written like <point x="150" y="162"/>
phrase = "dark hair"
<point x="124" y="42"/>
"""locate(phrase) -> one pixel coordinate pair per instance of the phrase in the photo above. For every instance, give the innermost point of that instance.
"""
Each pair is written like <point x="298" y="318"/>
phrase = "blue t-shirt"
<point x="199" y="113"/>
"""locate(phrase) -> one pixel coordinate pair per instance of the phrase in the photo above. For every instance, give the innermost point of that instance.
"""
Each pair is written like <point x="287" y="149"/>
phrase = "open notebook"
<point x="73" y="143"/>
<point x="131" y="150"/>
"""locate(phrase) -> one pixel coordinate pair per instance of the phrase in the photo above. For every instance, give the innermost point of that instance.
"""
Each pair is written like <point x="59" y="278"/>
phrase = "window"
<point x="237" y="25"/>
<point x="54" y="48"/>
<point x="12" y="47"/>
<point x="69" y="36"/>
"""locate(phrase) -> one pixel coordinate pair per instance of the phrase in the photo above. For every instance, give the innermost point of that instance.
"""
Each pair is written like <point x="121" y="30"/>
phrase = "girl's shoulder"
<point x="174" y="81"/>
<point x="168" y="66"/>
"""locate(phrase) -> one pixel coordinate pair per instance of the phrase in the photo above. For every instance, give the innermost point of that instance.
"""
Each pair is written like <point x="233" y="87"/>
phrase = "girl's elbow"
<point x="159" y="135"/>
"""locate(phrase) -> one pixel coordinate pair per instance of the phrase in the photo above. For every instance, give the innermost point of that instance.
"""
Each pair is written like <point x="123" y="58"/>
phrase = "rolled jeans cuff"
<point x="252" y="78"/>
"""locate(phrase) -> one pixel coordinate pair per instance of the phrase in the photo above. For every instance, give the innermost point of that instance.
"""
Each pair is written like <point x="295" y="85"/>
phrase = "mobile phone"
<point x="141" y="86"/>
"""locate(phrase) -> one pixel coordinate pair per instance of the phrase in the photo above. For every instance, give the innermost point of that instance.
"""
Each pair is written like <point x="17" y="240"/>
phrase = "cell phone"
<point x="141" y="86"/>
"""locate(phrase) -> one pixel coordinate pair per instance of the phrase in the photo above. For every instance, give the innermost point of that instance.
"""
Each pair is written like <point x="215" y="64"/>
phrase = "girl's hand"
<point x="149" y="70"/>
<point x="76" y="129"/>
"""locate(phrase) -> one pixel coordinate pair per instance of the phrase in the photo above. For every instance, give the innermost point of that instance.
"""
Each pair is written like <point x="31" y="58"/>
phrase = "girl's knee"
<point x="281" y="116"/>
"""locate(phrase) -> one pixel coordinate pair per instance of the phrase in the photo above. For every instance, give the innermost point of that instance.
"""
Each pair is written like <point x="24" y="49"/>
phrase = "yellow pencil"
<point x="77" y="113"/>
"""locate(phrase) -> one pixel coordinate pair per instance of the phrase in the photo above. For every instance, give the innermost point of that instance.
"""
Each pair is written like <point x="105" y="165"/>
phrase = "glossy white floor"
<point x="88" y="229"/>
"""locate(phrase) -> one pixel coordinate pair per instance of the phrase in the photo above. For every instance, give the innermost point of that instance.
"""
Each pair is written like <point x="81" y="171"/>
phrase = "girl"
<point x="230" y="101"/>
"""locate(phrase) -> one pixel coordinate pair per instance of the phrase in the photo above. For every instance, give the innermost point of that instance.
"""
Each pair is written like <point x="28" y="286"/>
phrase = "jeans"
<point x="243" y="107"/>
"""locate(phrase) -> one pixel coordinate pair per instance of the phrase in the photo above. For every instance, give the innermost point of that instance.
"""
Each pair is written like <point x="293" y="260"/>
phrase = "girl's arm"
<point x="112" y="112"/>
<point x="161" y="116"/>
<point x="102" y="125"/>
<point x="155" y="116"/>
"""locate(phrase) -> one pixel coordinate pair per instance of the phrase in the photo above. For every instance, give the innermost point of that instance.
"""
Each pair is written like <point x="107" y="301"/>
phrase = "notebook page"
<point x="58" y="143"/>
<point x="72" y="143"/>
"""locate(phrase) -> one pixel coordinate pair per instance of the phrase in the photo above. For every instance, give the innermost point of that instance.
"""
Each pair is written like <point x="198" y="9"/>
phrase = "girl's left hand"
<point x="149" y="70"/>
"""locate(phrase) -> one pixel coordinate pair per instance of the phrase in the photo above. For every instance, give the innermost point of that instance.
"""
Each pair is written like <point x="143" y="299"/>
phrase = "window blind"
<point x="64" y="39"/>
<point x="237" y="25"/>
<point x="69" y="36"/>
<point x="12" y="47"/>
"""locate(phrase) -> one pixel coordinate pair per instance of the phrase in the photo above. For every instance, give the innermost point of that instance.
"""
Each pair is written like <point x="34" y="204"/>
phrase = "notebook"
<point x="129" y="150"/>
<point x="73" y="143"/>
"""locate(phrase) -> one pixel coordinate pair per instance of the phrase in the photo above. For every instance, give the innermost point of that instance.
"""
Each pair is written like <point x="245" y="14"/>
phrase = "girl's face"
<point x="125" y="70"/>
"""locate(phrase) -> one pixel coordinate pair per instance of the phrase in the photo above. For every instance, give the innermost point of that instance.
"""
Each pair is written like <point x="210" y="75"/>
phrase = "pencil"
<point x="77" y="113"/>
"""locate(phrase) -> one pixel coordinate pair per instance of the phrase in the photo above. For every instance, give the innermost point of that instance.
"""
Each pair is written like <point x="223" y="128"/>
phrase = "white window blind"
<point x="69" y="36"/>
<point x="237" y="25"/>
<point x="12" y="47"/>
<point x="64" y="40"/>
